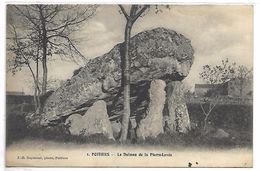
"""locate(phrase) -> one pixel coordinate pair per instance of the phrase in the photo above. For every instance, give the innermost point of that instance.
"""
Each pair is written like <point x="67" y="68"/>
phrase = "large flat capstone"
<point x="156" y="54"/>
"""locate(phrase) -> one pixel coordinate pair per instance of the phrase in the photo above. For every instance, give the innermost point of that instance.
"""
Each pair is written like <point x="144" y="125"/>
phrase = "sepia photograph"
<point x="129" y="85"/>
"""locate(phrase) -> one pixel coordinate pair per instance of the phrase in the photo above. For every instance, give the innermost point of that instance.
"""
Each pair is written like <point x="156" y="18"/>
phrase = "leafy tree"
<point x="227" y="71"/>
<point x="219" y="73"/>
<point x="216" y="75"/>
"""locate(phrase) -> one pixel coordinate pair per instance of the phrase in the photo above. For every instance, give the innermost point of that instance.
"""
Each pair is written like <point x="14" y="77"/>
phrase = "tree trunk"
<point x="241" y="88"/>
<point x="36" y="90"/>
<point x="44" y="53"/>
<point x="38" y="93"/>
<point x="35" y="98"/>
<point x="45" y="72"/>
<point x="205" y="122"/>
<point x="126" y="83"/>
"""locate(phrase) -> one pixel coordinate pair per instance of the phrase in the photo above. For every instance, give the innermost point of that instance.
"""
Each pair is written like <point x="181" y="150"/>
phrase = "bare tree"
<point x="26" y="55"/>
<point x="131" y="15"/>
<point x="52" y="26"/>
<point x="243" y="75"/>
<point x="135" y="12"/>
<point x="212" y="102"/>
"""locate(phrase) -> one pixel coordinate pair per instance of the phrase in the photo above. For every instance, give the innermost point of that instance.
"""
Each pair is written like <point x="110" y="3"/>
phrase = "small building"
<point x="203" y="89"/>
<point x="232" y="88"/>
<point x="15" y="93"/>
<point x="18" y="102"/>
<point x="15" y="98"/>
<point x="240" y="88"/>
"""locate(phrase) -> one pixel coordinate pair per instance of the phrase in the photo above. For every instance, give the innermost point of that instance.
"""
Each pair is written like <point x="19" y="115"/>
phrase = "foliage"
<point x="237" y="120"/>
<point x="224" y="72"/>
<point x="227" y="116"/>
<point x="219" y="73"/>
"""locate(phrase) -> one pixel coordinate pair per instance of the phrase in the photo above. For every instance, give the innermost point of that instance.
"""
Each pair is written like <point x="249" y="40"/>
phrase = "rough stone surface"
<point x="152" y="125"/>
<point x="116" y="127"/>
<point x="182" y="118"/>
<point x="95" y="121"/>
<point x="220" y="134"/>
<point x="77" y="124"/>
<point x="176" y="108"/>
<point x="156" y="54"/>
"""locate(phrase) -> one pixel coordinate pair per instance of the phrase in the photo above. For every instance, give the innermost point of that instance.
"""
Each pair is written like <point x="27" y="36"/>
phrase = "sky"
<point x="216" y="33"/>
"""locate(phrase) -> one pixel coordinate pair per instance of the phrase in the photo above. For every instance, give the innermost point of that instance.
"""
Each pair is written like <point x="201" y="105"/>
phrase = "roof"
<point x="17" y="93"/>
<point x="207" y="85"/>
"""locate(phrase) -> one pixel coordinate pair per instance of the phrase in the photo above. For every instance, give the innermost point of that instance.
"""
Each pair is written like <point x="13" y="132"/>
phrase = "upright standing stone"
<point x="116" y="128"/>
<point x="179" y="120"/>
<point x="95" y="121"/>
<point x="152" y="124"/>
<point x="76" y="124"/>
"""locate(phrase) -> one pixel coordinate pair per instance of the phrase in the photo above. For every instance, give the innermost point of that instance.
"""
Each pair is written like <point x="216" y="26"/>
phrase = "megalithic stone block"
<point x="178" y="116"/>
<point x="152" y="124"/>
<point x="155" y="54"/>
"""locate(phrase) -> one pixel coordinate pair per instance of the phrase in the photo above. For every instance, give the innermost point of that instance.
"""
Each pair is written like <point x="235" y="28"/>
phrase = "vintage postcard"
<point x="144" y="85"/>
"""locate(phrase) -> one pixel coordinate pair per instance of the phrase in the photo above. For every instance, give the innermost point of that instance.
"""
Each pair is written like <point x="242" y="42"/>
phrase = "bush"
<point x="237" y="117"/>
<point x="15" y="127"/>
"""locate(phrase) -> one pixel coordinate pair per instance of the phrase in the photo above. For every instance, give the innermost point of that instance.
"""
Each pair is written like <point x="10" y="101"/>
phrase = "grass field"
<point x="236" y="120"/>
<point x="196" y="149"/>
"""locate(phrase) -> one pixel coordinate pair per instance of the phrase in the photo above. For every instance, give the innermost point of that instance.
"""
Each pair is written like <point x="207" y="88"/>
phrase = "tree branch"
<point x="124" y="12"/>
<point x="73" y="46"/>
<point x="72" y="21"/>
<point x="29" y="17"/>
<point x="140" y="12"/>
<point x="203" y="109"/>
<point x="27" y="62"/>
<point x="133" y="10"/>
<point x="52" y="13"/>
